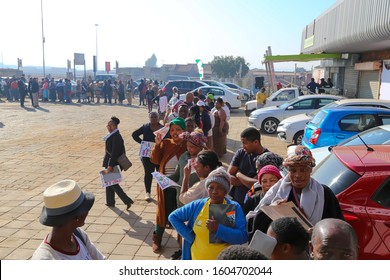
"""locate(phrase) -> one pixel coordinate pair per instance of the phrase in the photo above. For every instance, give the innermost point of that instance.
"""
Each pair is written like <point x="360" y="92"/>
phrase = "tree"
<point x="229" y="66"/>
<point x="152" y="61"/>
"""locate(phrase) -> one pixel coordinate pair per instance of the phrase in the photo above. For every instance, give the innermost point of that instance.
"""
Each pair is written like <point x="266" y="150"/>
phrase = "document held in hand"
<point x="163" y="181"/>
<point x="146" y="149"/>
<point x="288" y="209"/>
<point x="224" y="214"/>
<point x="111" y="178"/>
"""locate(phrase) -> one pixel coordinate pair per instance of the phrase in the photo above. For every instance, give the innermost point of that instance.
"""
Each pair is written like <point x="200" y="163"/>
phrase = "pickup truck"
<point x="277" y="98"/>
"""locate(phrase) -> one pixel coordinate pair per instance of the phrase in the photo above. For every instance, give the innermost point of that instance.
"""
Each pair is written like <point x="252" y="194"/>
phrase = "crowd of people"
<point x="215" y="210"/>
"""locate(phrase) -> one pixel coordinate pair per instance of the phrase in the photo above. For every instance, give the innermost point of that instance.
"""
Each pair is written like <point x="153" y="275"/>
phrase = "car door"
<point x="349" y="125"/>
<point x="300" y="107"/>
<point x="378" y="210"/>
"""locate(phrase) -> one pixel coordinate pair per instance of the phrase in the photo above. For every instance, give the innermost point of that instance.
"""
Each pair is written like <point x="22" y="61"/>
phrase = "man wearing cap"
<point x="203" y="120"/>
<point x="65" y="209"/>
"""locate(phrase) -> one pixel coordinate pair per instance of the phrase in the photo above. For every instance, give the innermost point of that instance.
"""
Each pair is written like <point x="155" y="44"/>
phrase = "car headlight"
<point x="285" y="125"/>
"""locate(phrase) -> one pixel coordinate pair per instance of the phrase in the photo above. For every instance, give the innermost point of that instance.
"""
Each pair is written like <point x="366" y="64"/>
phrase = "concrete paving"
<point x="39" y="147"/>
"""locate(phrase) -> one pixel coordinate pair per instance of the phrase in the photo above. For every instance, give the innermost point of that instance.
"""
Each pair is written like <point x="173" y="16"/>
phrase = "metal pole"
<point x="43" y="43"/>
<point x="96" y="25"/>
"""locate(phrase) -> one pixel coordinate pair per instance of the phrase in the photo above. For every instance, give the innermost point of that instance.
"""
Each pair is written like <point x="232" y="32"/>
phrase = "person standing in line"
<point x="29" y="90"/>
<point x="52" y="90"/>
<point x="333" y="239"/>
<point x="121" y="92"/>
<point x="220" y="129"/>
<point x="65" y="209"/>
<point x="142" y="91"/>
<point x="129" y="92"/>
<point x="22" y="91"/>
<point x="261" y="96"/>
<point x="166" y="152"/>
<point x="45" y="90"/>
<point x="147" y="130"/>
<point x="149" y="95"/>
<point x="35" y="92"/>
<point x="114" y="149"/>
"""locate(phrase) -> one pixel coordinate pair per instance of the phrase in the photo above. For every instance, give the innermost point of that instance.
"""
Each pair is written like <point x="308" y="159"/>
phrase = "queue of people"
<point x="211" y="207"/>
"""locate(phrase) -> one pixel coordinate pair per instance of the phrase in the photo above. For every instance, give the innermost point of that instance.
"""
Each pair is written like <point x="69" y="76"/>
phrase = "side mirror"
<point x="290" y="108"/>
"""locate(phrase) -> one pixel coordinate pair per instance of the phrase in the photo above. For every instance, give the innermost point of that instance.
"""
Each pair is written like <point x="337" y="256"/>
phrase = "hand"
<point x="212" y="225"/>
<point x="187" y="169"/>
<point x="235" y="181"/>
<point x="278" y="202"/>
<point x="158" y="138"/>
<point x="109" y="169"/>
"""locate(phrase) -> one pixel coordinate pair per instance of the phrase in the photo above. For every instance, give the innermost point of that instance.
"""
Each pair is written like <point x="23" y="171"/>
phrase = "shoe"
<point x="147" y="197"/>
<point x="110" y="205"/>
<point x="176" y="255"/>
<point x="128" y="205"/>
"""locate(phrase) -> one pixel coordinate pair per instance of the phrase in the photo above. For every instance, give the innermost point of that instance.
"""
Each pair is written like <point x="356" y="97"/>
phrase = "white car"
<point x="291" y="129"/>
<point x="374" y="136"/>
<point x="222" y="85"/>
<point x="267" y="119"/>
<point x="245" y="93"/>
<point x="231" y="99"/>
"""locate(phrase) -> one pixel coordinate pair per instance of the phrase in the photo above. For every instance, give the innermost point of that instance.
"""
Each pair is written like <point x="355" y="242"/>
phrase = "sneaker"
<point x="147" y="197"/>
<point x="176" y="255"/>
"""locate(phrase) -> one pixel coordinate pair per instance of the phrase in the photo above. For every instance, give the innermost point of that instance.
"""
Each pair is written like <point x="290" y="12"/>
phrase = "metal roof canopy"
<point x="300" y="57"/>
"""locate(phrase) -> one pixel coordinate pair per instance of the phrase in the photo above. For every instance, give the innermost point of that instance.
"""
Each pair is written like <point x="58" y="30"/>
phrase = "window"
<point x="385" y="119"/>
<point x="324" y="101"/>
<point x="350" y="123"/>
<point x="217" y="92"/>
<point x="382" y="195"/>
<point x="304" y="104"/>
<point x="285" y="96"/>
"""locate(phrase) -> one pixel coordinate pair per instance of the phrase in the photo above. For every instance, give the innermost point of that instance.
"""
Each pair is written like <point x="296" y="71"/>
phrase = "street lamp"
<point x="96" y="57"/>
<point x="43" y="43"/>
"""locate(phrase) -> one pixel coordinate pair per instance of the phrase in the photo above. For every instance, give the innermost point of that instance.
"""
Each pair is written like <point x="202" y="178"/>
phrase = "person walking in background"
<point x="261" y="96"/>
<point x="121" y="92"/>
<point x="65" y="209"/>
<point x="147" y="130"/>
<point x="35" y="92"/>
<point x="115" y="147"/>
<point x="22" y="90"/>
<point x="149" y="96"/>
<point x="129" y="92"/>
<point x="142" y="90"/>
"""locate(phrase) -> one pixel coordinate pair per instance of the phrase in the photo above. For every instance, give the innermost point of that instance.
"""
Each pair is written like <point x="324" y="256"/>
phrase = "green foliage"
<point x="229" y="66"/>
<point x="152" y="61"/>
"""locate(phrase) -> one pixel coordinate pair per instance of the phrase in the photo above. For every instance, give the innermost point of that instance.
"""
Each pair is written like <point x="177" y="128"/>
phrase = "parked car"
<point x="268" y="118"/>
<point x="245" y="93"/>
<point x="333" y="125"/>
<point x="277" y="98"/>
<point x="291" y="129"/>
<point x="373" y="136"/>
<point x="360" y="179"/>
<point x="222" y="85"/>
<point x="183" y="86"/>
<point x="231" y="99"/>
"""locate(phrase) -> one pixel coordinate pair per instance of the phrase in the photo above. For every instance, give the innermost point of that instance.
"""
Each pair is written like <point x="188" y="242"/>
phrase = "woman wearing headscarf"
<point x="220" y="129"/>
<point x="314" y="200"/>
<point x="115" y="147"/>
<point x="193" y="223"/>
<point x="166" y="153"/>
<point x="147" y="130"/>
<point x="65" y="209"/>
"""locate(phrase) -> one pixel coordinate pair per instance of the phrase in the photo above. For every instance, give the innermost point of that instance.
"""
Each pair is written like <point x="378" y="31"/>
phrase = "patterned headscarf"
<point x="299" y="155"/>
<point x="269" y="158"/>
<point x="196" y="137"/>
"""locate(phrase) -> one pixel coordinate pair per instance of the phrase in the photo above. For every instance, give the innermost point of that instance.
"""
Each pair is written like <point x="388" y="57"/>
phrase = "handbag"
<point x="124" y="162"/>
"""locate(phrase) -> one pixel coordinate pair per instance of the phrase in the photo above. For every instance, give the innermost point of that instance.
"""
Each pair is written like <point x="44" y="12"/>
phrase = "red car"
<point x="360" y="178"/>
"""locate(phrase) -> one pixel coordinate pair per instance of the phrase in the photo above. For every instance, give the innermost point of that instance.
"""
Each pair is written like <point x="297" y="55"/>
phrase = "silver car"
<point x="267" y="119"/>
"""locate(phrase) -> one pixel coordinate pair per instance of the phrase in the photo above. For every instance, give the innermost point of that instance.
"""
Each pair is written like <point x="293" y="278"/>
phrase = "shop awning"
<point x="300" y="57"/>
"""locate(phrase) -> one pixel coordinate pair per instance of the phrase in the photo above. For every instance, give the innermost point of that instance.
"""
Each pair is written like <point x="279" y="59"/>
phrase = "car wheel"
<point x="270" y="125"/>
<point x="245" y="97"/>
<point x="298" y="138"/>
<point x="228" y="105"/>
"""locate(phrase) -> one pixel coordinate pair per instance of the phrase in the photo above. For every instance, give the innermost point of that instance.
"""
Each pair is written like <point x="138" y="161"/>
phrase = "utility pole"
<point x="43" y="43"/>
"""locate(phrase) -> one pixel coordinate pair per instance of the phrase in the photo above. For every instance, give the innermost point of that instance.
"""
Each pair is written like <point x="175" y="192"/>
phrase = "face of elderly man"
<point x="299" y="175"/>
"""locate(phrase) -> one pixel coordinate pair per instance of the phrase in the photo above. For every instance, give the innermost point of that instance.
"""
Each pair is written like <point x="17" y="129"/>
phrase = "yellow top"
<point x="260" y="97"/>
<point x="202" y="249"/>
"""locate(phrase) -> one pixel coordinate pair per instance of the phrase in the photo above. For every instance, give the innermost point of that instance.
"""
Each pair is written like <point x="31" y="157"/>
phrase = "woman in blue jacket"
<point x="193" y="223"/>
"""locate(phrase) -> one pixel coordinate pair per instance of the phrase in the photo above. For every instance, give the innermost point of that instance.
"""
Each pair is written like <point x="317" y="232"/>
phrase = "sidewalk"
<point x="39" y="147"/>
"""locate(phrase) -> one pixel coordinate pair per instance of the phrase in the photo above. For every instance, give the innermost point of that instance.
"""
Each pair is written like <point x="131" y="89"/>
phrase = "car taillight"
<point x="350" y="217"/>
<point x="315" y="135"/>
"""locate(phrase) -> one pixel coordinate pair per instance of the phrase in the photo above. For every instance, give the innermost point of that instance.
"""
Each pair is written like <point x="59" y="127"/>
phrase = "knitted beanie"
<point x="269" y="169"/>
<point x="219" y="176"/>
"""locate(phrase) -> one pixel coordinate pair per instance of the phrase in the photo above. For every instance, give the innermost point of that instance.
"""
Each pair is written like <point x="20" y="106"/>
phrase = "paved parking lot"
<point x="39" y="147"/>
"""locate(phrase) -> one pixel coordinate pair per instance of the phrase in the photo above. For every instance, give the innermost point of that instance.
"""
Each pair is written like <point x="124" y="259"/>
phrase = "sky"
<point x="176" y="31"/>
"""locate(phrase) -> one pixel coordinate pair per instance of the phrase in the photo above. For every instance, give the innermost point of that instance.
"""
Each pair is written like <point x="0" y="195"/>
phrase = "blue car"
<point x="333" y="125"/>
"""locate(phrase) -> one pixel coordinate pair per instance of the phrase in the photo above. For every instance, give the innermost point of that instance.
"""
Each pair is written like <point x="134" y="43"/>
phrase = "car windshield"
<point x="374" y="136"/>
<point x="332" y="173"/>
<point x="318" y="118"/>
<point x="288" y="103"/>
<point x="313" y="113"/>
